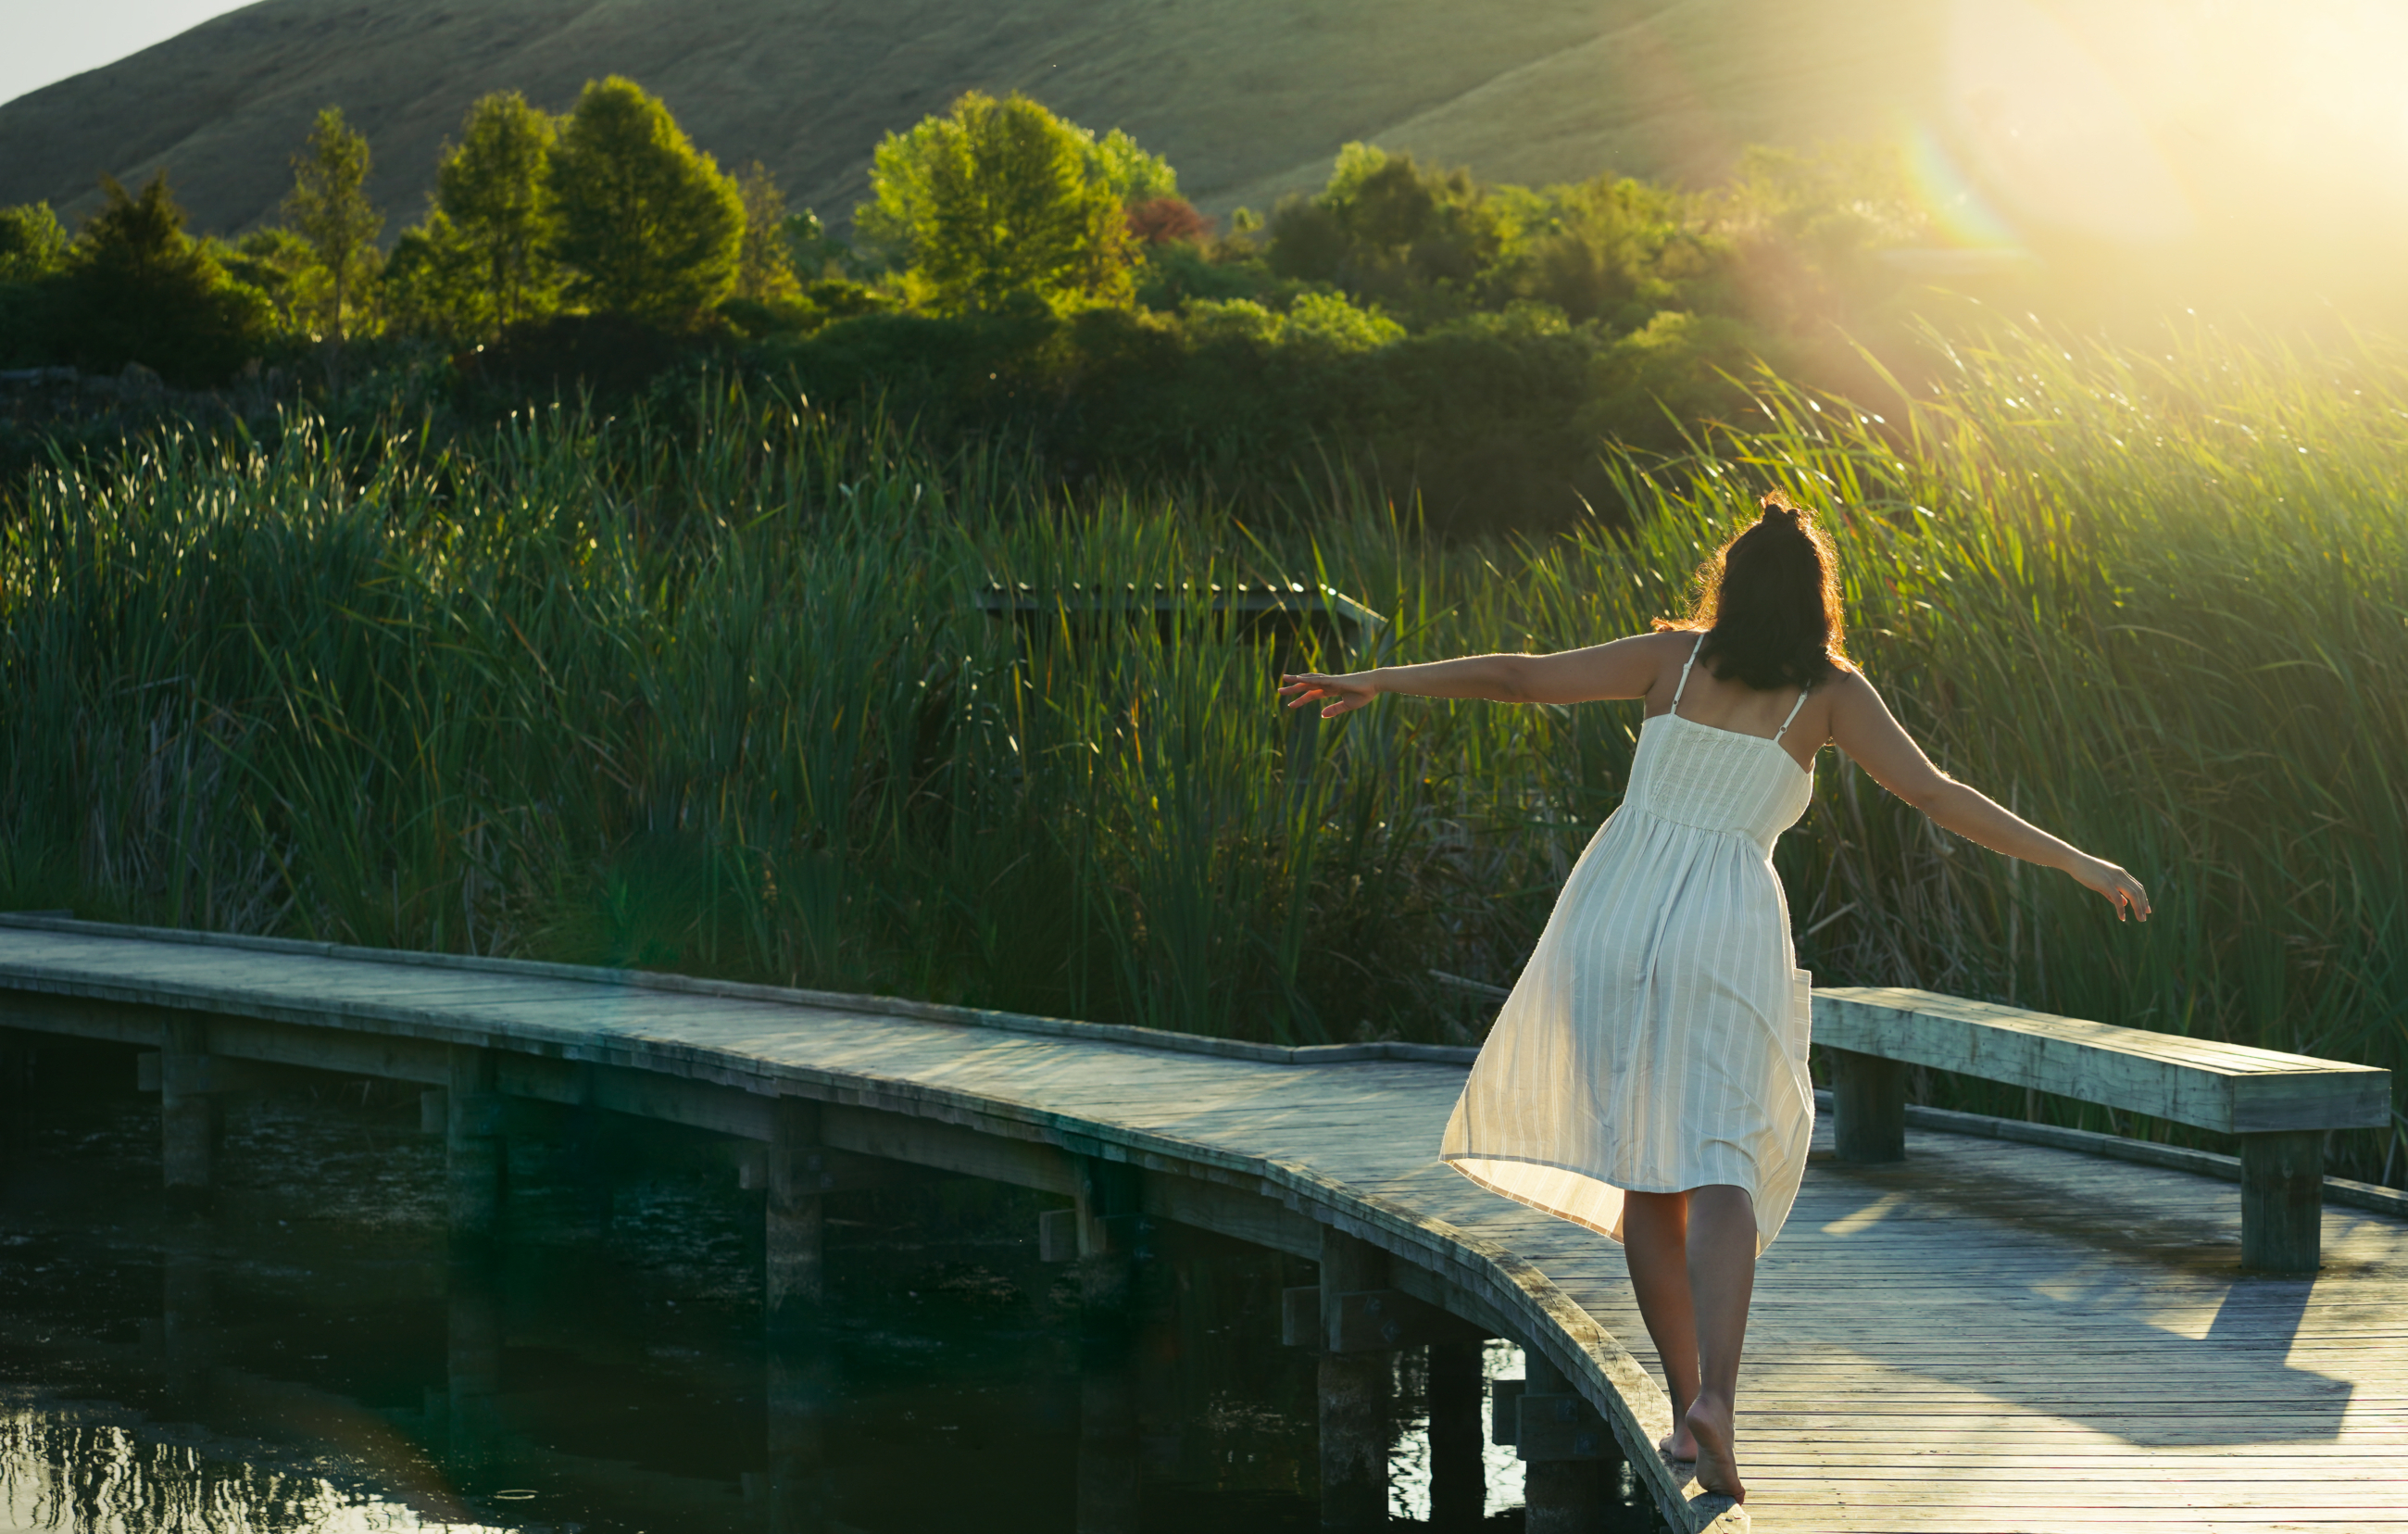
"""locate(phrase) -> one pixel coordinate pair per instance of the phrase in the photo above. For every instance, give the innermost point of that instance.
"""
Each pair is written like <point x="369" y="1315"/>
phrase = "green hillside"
<point x="1248" y="99"/>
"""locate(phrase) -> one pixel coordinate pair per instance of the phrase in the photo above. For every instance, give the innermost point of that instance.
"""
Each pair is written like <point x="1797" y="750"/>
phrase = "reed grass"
<point x="708" y="694"/>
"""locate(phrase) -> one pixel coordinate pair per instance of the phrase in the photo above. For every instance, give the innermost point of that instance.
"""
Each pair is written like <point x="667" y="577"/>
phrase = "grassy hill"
<point x="2203" y="150"/>
<point x="1247" y="99"/>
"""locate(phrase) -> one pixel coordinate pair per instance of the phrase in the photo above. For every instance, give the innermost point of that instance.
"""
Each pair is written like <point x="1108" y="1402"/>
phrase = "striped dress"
<point x="1657" y="1040"/>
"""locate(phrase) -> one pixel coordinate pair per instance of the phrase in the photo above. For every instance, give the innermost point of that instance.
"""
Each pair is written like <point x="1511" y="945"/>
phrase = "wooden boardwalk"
<point x="1990" y="1335"/>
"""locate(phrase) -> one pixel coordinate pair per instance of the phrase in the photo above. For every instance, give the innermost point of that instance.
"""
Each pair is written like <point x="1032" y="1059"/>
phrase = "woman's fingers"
<point x="1312" y="687"/>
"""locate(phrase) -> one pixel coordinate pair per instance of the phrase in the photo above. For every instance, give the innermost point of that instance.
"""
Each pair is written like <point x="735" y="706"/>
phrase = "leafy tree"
<point x="33" y="243"/>
<point x="1618" y="251"/>
<point x="1001" y="199"/>
<point x="33" y="254"/>
<point x="137" y="288"/>
<point x="495" y="216"/>
<point x="765" y="267"/>
<point x="648" y="224"/>
<point x="1168" y="220"/>
<point x="813" y="252"/>
<point x="1388" y="228"/>
<point x="437" y="282"/>
<point x="1134" y="176"/>
<point x="1808" y="230"/>
<point x="329" y="208"/>
<point x="281" y="265"/>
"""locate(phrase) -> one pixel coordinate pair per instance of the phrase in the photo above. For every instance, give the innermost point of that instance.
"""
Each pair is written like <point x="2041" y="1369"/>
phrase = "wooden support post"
<point x="2282" y="1201"/>
<point x="1868" y="1107"/>
<point x="473" y="1150"/>
<point x="1353" y="1394"/>
<point x="794" y="1281"/>
<point x="1457" y="1490"/>
<point x="189" y="1113"/>
<point x="1561" y="1494"/>
<point x="1109" y="1233"/>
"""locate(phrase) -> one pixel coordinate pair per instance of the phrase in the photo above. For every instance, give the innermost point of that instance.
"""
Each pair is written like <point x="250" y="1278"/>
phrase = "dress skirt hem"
<point x="1463" y="1162"/>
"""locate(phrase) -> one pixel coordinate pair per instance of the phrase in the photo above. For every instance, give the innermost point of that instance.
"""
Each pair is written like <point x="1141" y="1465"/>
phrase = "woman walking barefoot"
<point x="1647" y="1077"/>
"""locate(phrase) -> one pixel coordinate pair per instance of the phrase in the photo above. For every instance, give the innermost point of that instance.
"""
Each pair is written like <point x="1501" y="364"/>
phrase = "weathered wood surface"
<point x="2228" y="1088"/>
<point x="1989" y="1335"/>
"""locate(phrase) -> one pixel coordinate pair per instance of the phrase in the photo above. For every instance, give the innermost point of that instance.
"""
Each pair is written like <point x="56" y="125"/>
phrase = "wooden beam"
<point x="1210" y="1204"/>
<point x="793" y="1285"/>
<point x="1384" y="1320"/>
<point x="1058" y="1236"/>
<point x="1868" y="1107"/>
<point x="2229" y="1088"/>
<point x="190" y="1116"/>
<point x="950" y="1147"/>
<point x="1561" y="1427"/>
<point x="1457" y="1482"/>
<point x="2282" y="1202"/>
<point x="1565" y="1450"/>
<point x="472" y="1144"/>
<point x="1505" y="1410"/>
<point x="1353" y="1394"/>
<point x="115" y="1023"/>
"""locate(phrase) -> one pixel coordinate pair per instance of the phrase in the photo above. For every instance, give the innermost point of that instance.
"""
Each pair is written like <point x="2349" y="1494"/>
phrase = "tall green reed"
<point x="706" y="690"/>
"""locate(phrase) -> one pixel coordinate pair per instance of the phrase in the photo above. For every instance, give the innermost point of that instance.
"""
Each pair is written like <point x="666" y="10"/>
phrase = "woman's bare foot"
<point x="1679" y="1445"/>
<point x="1709" y="1421"/>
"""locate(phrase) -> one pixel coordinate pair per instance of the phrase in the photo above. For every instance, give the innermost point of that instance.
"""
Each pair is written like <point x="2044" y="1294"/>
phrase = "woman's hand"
<point x="2122" y="890"/>
<point x="1343" y="694"/>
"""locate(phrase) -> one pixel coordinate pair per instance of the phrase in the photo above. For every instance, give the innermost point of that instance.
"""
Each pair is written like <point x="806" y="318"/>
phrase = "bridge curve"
<point x="1990" y="1334"/>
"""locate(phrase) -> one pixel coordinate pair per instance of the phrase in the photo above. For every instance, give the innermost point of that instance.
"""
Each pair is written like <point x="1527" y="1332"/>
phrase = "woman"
<point x="1647" y="1077"/>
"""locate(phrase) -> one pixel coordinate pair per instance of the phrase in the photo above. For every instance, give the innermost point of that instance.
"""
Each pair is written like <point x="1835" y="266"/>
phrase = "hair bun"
<point x="1778" y="507"/>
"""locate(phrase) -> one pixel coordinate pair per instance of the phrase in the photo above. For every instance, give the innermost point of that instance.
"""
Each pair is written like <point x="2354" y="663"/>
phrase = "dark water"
<point x="305" y="1355"/>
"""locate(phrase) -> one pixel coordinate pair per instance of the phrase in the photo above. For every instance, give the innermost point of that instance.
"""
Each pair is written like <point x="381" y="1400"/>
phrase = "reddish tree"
<point x="1164" y="221"/>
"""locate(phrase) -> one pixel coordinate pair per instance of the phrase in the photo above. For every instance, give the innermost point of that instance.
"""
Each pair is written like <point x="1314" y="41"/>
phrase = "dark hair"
<point x="1768" y="601"/>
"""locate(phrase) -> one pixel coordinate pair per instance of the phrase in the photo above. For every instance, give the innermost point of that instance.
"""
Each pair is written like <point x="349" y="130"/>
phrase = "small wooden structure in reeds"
<point x="1289" y="615"/>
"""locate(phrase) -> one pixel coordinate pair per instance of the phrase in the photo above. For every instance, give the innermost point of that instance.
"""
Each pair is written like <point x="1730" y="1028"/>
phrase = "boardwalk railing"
<point x="2277" y="1107"/>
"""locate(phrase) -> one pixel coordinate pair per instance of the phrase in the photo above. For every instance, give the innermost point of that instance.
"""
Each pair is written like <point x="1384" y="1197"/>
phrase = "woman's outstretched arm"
<point x="1862" y="726"/>
<point x="1624" y="668"/>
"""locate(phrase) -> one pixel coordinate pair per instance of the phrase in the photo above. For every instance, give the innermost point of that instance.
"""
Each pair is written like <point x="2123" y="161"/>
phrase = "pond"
<point x="305" y="1353"/>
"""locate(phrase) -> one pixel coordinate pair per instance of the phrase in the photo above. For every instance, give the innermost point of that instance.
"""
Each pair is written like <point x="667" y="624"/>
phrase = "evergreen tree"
<point x="496" y="213"/>
<point x="1002" y="198"/>
<point x="139" y="289"/>
<point x="648" y="224"/>
<point x="328" y="208"/>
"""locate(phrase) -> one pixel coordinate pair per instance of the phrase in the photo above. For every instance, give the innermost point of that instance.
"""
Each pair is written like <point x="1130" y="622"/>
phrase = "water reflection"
<point x="309" y="1353"/>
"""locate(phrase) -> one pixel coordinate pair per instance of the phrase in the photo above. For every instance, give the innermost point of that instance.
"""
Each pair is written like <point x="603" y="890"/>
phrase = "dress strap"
<point x="1793" y="716"/>
<point x="1683" y="685"/>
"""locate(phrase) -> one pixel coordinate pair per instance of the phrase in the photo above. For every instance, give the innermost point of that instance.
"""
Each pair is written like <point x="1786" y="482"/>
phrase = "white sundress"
<point x="1657" y="1040"/>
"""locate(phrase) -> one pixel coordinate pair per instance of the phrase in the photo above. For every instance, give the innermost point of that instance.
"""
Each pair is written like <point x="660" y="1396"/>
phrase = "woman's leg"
<point x="1721" y="1245"/>
<point x="1655" y="1243"/>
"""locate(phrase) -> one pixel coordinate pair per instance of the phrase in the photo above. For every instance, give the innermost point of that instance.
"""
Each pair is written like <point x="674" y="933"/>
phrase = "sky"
<point x="50" y="39"/>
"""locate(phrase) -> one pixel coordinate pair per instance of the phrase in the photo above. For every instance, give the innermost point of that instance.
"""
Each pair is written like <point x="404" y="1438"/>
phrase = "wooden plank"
<point x="950" y="1148"/>
<point x="1246" y="1215"/>
<point x="115" y="1023"/>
